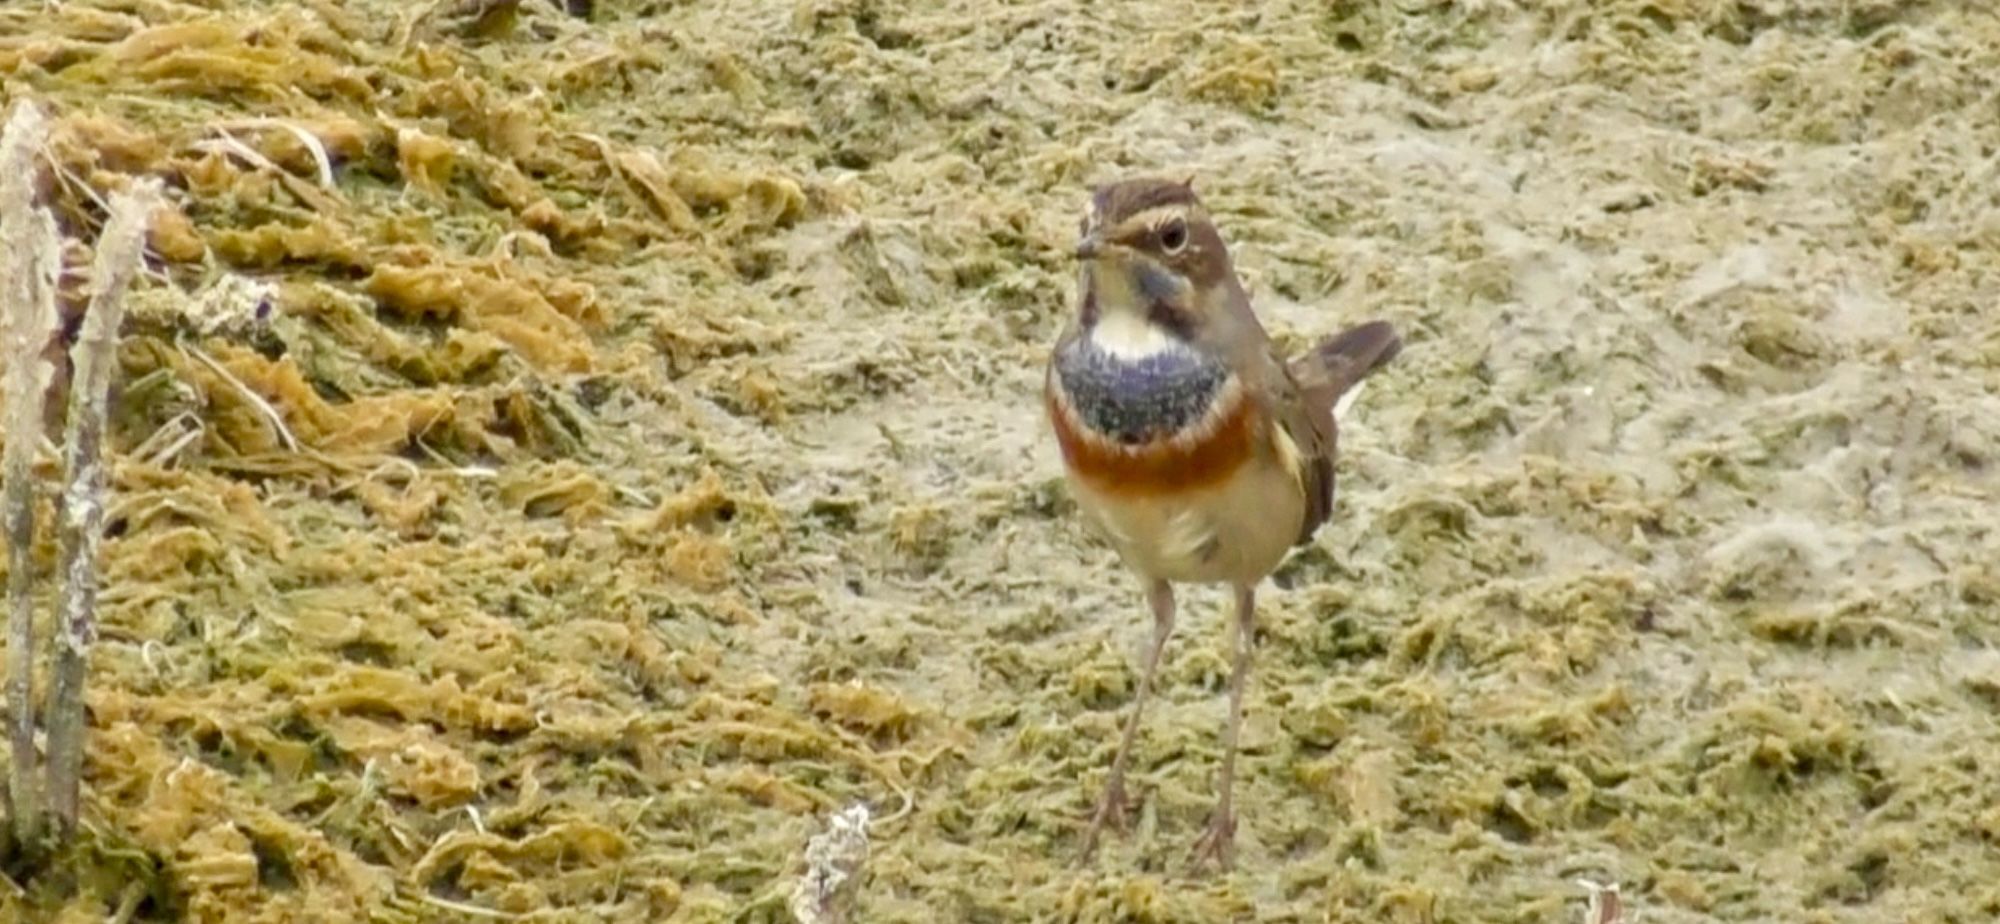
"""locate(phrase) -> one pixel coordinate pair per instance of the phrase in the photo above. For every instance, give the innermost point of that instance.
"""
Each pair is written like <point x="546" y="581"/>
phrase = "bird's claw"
<point x="1217" y="844"/>
<point x="1110" y="810"/>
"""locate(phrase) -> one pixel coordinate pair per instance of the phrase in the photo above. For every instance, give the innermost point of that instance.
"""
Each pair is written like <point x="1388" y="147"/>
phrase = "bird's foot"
<point x="1110" y="810"/>
<point x="1217" y="844"/>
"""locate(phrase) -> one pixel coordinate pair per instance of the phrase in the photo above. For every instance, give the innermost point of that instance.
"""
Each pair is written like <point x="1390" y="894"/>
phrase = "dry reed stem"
<point x="832" y="880"/>
<point x="30" y="262"/>
<point x="120" y="253"/>
<point x="1603" y="904"/>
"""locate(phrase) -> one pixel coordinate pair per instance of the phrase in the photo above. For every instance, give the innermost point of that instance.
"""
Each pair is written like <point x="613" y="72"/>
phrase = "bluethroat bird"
<point x="1191" y="445"/>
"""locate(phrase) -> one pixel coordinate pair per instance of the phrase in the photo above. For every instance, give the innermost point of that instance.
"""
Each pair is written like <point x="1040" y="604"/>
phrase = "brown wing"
<point x="1299" y="412"/>
<point x="1341" y="361"/>
<point x="1300" y="395"/>
<point x="1322" y="376"/>
<point x="1310" y="424"/>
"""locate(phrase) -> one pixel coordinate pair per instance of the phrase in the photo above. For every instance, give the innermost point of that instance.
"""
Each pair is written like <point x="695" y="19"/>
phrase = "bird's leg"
<point x="1218" y="843"/>
<point x="1111" y="808"/>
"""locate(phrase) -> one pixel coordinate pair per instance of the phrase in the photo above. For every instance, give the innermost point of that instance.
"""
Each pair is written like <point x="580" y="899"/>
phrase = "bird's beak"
<point x="1089" y="247"/>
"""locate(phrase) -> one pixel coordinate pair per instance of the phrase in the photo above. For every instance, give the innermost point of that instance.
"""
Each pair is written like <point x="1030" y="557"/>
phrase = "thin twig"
<point x="465" y="909"/>
<point x="229" y="144"/>
<point x="128" y="903"/>
<point x="168" y="441"/>
<point x="31" y="254"/>
<point x="120" y="251"/>
<point x="257" y="401"/>
<point x="314" y="146"/>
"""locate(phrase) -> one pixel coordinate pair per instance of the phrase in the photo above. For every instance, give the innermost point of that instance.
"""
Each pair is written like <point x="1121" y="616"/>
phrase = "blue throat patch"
<point x="1136" y="401"/>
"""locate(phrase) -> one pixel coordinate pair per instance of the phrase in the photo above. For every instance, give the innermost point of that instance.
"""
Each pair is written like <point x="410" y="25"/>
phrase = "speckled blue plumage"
<point x="1135" y="401"/>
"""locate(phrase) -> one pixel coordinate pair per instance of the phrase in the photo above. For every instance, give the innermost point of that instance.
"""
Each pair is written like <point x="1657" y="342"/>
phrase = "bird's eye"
<point x="1173" y="237"/>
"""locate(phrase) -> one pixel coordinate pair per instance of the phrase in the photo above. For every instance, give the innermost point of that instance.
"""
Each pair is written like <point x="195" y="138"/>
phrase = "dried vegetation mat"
<point x="563" y="463"/>
<point x="400" y="619"/>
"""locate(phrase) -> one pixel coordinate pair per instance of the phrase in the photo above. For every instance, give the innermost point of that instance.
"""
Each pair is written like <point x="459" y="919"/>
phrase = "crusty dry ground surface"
<point x="641" y="459"/>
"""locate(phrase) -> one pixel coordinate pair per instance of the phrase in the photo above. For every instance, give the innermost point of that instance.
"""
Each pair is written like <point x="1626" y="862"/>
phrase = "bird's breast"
<point x="1164" y="422"/>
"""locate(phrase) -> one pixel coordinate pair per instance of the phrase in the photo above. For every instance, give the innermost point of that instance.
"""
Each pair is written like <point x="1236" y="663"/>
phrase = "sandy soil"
<point x="669" y="472"/>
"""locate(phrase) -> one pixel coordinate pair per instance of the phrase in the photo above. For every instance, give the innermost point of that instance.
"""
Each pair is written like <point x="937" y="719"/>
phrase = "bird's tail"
<point x="1331" y="372"/>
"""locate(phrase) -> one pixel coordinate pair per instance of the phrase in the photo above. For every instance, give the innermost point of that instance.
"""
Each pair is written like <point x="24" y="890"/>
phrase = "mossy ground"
<point x="641" y="458"/>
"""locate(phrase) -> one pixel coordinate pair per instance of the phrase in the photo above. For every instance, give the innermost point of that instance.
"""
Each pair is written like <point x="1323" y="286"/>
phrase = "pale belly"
<point x="1235" y="531"/>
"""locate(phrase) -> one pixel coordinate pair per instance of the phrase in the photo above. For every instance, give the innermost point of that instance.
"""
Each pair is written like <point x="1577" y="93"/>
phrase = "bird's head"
<point x="1154" y="265"/>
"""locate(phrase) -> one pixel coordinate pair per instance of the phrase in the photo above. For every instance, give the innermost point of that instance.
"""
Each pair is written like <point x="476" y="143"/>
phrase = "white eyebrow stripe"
<point x="1152" y="219"/>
